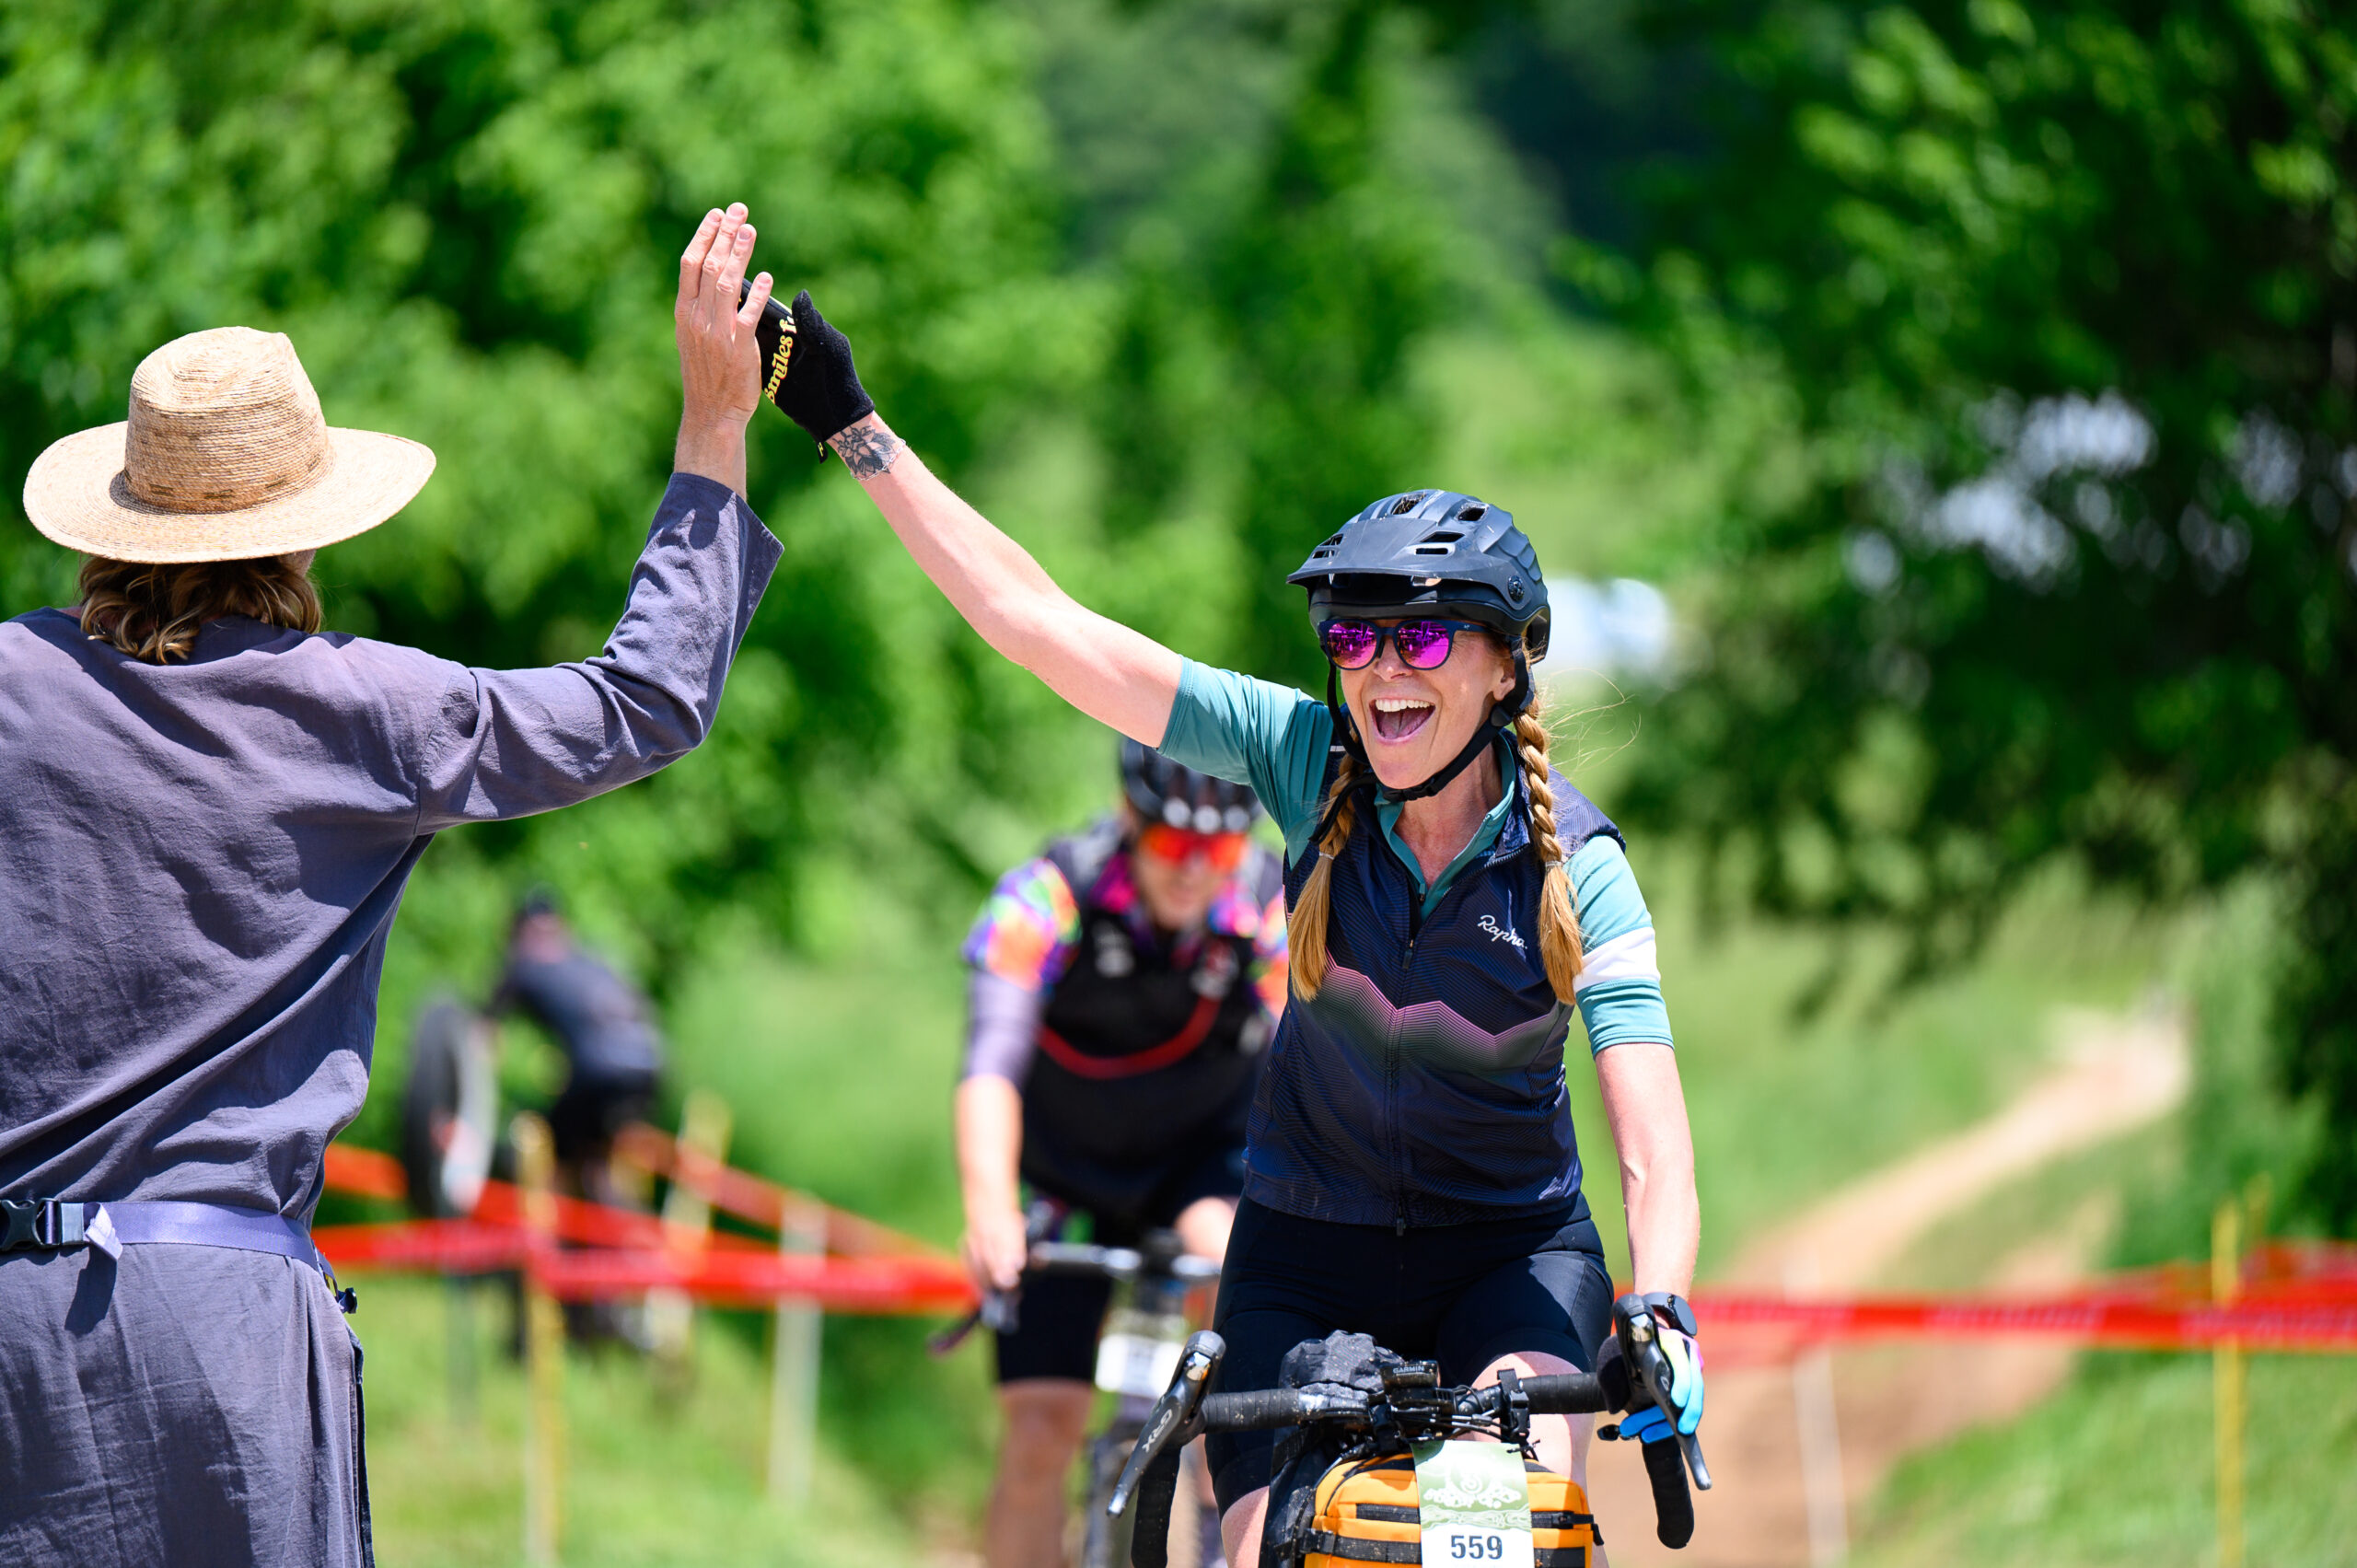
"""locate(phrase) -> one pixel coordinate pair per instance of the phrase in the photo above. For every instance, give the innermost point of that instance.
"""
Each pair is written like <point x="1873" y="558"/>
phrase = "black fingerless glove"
<point x="807" y="372"/>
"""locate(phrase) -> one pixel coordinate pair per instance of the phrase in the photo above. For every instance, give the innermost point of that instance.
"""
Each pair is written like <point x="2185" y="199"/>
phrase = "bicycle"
<point x="454" y="1142"/>
<point x="450" y="1129"/>
<point x="1411" y="1409"/>
<point x="1139" y="1351"/>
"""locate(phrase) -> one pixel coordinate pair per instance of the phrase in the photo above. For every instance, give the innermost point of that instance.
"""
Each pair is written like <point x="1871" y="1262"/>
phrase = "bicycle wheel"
<point x="449" y="1111"/>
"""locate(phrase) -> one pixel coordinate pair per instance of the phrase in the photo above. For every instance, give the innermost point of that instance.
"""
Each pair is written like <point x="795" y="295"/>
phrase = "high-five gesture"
<point x="719" y="356"/>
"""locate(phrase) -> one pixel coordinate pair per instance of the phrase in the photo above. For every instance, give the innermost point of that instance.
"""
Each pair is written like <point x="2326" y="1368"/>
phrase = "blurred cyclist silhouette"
<point x="605" y="1029"/>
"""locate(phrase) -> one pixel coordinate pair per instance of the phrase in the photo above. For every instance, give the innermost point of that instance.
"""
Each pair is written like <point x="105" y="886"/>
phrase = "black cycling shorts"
<point x="1463" y="1295"/>
<point x="593" y="1109"/>
<point x="1060" y="1316"/>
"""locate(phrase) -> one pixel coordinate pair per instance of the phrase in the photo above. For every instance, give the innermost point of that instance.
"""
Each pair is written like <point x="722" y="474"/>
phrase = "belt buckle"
<point x="23" y="1215"/>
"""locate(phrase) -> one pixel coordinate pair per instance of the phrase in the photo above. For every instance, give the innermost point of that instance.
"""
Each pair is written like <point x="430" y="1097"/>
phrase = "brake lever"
<point x="998" y="1313"/>
<point x="1655" y="1376"/>
<point x="999" y="1308"/>
<point x="1171" y="1415"/>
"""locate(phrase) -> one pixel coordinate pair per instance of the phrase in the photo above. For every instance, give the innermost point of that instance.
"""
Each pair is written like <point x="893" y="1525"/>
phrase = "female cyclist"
<point x="1125" y="985"/>
<point x="1412" y="1170"/>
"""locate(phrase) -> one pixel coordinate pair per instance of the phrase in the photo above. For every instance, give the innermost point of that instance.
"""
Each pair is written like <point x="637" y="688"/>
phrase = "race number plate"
<point x="1475" y="1504"/>
<point x="1141" y="1365"/>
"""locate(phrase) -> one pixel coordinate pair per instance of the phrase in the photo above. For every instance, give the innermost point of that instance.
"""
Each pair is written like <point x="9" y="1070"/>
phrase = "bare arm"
<point x="1108" y="671"/>
<point x="1645" y="1106"/>
<point x="990" y="1152"/>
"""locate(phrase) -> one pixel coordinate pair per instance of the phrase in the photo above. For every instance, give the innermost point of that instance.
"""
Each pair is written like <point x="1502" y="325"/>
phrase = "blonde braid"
<point x="1559" y="923"/>
<point x="1305" y="928"/>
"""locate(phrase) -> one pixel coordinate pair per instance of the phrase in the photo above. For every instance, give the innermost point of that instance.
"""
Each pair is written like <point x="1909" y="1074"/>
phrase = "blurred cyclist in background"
<point x="1124" y="984"/>
<point x="605" y="1028"/>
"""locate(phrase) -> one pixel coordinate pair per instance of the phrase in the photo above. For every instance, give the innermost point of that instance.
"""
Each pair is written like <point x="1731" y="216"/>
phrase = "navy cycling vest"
<point x="1423" y="1086"/>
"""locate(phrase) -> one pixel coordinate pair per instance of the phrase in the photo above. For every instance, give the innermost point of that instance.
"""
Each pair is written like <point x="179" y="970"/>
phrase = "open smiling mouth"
<point x="1396" y="718"/>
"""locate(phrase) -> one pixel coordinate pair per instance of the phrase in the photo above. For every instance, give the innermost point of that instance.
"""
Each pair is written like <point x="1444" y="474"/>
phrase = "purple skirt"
<point x="189" y="1405"/>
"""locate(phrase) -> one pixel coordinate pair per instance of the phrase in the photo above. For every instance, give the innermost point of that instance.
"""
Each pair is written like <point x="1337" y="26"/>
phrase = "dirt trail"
<point x="2114" y="1075"/>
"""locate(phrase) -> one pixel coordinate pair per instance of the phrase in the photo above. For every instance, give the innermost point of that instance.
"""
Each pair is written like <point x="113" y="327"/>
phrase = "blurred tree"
<point x="467" y="218"/>
<point x="1278" y="252"/>
<point x="2062" y="301"/>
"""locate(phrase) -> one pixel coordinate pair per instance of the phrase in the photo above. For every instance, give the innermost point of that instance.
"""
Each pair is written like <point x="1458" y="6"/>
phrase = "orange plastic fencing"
<point x="608" y="1251"/>
<point x="2294" y="1296"/>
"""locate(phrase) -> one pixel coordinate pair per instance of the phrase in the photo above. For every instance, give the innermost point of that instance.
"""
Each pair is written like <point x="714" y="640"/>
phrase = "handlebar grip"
<point x="1673" y="1504"/>
<point x="1150" y="1528"/>
<point x="1565" y="1393"/>
<point x="1259" y="1410"/>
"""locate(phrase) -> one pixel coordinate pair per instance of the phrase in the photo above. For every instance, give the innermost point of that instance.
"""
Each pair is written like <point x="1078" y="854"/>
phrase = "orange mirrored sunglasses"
<point x="1221" y="851"/>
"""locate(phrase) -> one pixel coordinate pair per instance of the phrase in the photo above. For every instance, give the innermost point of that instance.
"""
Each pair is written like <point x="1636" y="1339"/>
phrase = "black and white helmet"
<point x="1163" y="790"/>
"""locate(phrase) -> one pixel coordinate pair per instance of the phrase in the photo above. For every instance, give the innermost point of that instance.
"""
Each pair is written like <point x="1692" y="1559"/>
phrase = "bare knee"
<point x="1045" y="1419"/>
<point x="1204" y="1225"/>
<point x="1558" y="1442"/>
<point x="1239" y="1528"/>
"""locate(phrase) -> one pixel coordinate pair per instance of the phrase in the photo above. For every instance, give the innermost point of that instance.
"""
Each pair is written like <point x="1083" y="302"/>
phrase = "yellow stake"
<point x="794" y="1371"/>
<point x="544" y="1348"/>
<point x="687" y="1229"/>
<point x="2226" y="1371"/>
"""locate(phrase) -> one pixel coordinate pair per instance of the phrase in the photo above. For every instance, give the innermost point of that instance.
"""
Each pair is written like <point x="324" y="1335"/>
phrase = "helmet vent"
<point x="1433" y="549"/>
<point x="1471" y="512"/>
<point x="1407" y="504"/>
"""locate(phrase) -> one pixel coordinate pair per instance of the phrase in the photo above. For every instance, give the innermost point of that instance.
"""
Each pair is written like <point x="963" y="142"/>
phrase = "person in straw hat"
<point x="208" y="809"/>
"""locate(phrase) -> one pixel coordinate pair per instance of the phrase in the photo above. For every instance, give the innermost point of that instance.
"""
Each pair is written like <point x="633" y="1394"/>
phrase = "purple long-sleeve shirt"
<point x="200" y="862"/>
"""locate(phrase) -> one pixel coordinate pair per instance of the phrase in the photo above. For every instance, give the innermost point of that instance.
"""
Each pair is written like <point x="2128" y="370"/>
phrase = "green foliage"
<point x="1169" y="370"/>
<point x="2064" y="303"/>
<point x="468" y="219"/>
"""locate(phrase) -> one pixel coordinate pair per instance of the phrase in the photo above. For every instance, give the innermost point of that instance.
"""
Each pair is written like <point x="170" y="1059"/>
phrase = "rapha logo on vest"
<point x="1503" y="934"/>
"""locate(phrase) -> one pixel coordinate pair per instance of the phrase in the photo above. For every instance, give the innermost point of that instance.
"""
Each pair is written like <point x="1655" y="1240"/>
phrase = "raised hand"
<point x="714" y="319"/>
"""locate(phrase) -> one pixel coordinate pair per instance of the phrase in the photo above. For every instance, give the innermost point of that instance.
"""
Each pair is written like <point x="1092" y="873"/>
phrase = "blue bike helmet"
<point x="1432" y="553"/>
<point x="1442" y="553"/>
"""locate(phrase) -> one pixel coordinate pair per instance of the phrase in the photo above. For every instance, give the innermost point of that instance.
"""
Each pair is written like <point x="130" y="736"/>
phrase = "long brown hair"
<point x="1558" y="925"/>
<point x="153" y="612"/>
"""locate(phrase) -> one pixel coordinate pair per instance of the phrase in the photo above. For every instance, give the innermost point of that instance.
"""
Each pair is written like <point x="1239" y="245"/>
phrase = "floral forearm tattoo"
<point x="869" y="450"/>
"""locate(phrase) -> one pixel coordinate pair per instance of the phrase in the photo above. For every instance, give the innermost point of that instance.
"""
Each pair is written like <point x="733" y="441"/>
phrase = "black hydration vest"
<point x="1142" y="1066"/>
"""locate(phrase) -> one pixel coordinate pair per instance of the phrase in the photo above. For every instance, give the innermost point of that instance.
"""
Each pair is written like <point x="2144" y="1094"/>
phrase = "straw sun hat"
<point x="226" y="457"/>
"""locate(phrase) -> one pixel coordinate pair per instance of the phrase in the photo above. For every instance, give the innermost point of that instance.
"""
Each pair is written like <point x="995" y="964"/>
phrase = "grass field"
<point x="653" y="1476"/>
<point x="2115" y="1472"/>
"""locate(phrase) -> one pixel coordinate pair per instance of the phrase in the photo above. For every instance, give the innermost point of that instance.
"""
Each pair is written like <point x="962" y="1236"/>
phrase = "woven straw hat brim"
<point x="78" y="495"/>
